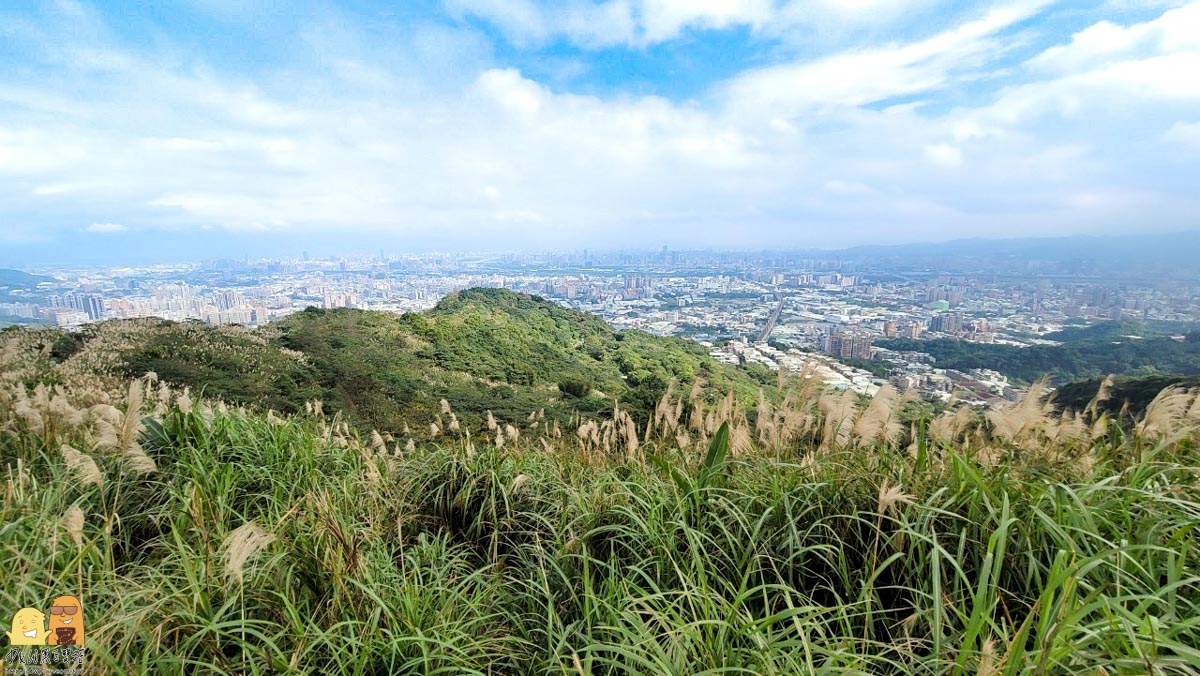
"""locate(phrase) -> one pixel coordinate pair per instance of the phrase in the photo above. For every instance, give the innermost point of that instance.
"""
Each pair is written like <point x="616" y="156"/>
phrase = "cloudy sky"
<point x="199" y="127"/>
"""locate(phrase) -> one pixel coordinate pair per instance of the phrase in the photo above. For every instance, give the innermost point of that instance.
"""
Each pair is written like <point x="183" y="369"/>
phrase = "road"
<point x="766" y="332"/>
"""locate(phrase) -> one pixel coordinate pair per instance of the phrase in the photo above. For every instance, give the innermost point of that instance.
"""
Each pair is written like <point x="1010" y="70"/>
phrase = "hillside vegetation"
<point x="480" y="350"/>
<point x="1123" y="348"/>
<point x="819" y="535"/>
<point x="1127" y="397"/>
<point x="492" y="349"/>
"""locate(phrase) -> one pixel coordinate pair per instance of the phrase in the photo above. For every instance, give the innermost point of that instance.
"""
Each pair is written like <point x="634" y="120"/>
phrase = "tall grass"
<point x="815" y="534"/>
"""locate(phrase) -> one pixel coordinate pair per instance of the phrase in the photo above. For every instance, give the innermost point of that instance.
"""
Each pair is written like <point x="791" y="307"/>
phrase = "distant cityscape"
<point x="779" y="311"/>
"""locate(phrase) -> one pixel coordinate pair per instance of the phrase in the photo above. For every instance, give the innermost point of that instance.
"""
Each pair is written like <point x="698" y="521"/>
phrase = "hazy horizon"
<point x="1127" y="248"/>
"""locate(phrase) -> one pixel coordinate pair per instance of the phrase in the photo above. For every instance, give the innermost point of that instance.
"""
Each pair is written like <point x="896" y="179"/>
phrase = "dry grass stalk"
<point x="517" y="483"/>
<point x="369" y="467"/>
<point x="662" y="418"/>
<point x="62" y="411"/>
<point x="987" y="659"/>
<point x="73" y="523"/>
<point x="878" y="422"/>
<point x="891" y="497"/>
<point x="184" y="401"/>
<point x="951" y="426"/>
<point x="28" y="414"/>
<point x="82" y="466"/>
<point x="1167" y="414"/>
<point x="1023" y="421"/>
<point x="840" y="411"/>
<point x="131" y="428"/>
<point x="1102" y="395"/>
<point x="243" y="543"/>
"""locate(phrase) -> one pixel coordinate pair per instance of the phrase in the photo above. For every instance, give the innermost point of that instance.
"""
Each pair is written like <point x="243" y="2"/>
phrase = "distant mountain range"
<point x="16" y="279"/>
<point x="1175" y="249"/>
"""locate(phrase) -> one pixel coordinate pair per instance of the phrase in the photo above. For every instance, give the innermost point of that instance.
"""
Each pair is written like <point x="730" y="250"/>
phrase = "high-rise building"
<point x="93" y="306"/>
<point x="947" y="322"/>
<point x="848" y="345"/>
<point x="227" y="300"/>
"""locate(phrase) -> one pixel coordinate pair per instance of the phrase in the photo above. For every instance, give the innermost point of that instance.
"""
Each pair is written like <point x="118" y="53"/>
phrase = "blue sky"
<point x="135" y="130"/>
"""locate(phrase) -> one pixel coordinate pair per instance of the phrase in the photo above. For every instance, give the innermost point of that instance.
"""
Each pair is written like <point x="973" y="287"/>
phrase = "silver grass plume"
<point x="241" y="544"/>
<point x="73" y="523"/>
<point x="82" y="466"/>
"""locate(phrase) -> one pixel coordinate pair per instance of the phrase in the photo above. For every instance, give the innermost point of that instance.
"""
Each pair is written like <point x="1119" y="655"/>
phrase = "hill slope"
<point x="16" y="279"/>
<point x="1085" y="353"/>
<point x="479" y="349"/>
<point x="491" y="349"/>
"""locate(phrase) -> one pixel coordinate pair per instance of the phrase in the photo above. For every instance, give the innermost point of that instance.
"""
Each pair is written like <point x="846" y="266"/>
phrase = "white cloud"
<point x="1105" y="42"/>
<point x="1107" y="74"/>
<point x="106" y="228"/>
<point x="865" y="76"/>
<point x="943" y="155"/>
<point x="522" y="21"/>
<point x="665" y="19"/>
<point x="489" y="156"/>
<point x="513" y="92"/>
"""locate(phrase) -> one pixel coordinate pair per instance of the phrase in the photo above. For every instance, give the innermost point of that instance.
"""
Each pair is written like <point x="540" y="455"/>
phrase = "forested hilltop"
<point x="1121" y="347"/>
<point x="480" y="350"/>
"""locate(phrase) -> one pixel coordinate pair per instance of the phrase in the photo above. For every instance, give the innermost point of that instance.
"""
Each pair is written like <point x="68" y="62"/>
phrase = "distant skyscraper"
<point x="94" y="307"/>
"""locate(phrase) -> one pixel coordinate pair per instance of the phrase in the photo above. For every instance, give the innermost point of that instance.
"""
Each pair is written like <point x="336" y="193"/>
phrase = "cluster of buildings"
<point x="778" y="310"/>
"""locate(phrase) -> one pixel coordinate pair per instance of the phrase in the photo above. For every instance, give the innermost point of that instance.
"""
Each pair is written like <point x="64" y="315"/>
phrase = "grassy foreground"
<point x="824" y="537"/>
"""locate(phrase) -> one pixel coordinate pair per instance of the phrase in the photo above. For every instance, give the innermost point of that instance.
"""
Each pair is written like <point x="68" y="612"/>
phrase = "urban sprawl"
<point x="821" y="317"/>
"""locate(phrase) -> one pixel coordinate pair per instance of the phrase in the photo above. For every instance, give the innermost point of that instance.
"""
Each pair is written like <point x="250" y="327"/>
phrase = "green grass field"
<point x="822" y="538"/>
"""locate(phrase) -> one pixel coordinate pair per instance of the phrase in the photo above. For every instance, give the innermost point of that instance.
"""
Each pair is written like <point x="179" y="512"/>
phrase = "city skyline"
<point x="852" y="322"/>
<point x="210" y="127"/>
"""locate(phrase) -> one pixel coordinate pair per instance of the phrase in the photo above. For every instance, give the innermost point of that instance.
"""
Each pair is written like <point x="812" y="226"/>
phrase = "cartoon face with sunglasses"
<point x="66" y="622"/>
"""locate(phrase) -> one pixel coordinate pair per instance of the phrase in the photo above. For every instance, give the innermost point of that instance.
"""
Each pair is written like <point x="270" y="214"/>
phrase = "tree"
<point x="577" y="387"/>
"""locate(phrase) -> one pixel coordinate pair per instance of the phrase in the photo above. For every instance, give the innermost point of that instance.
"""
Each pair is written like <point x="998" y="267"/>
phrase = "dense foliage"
<point x="480" y="350"/>
<point x="230" y="365"/>
<point x="1122" y="348"/>
<point x="1131" y="395"/>
<point x="824" y="538"/>
<point x="491" y="349"/>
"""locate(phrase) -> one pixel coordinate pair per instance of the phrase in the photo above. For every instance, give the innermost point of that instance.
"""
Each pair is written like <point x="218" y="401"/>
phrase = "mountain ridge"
<point x="480" y="350"/>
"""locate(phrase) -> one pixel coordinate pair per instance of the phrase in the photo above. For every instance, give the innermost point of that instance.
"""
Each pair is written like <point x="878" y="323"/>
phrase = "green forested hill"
<point x="1090" y="352"/>
<point x="491" y="349"/>
<point x="1134" y="393"/>
<point x="480" y="349"/>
